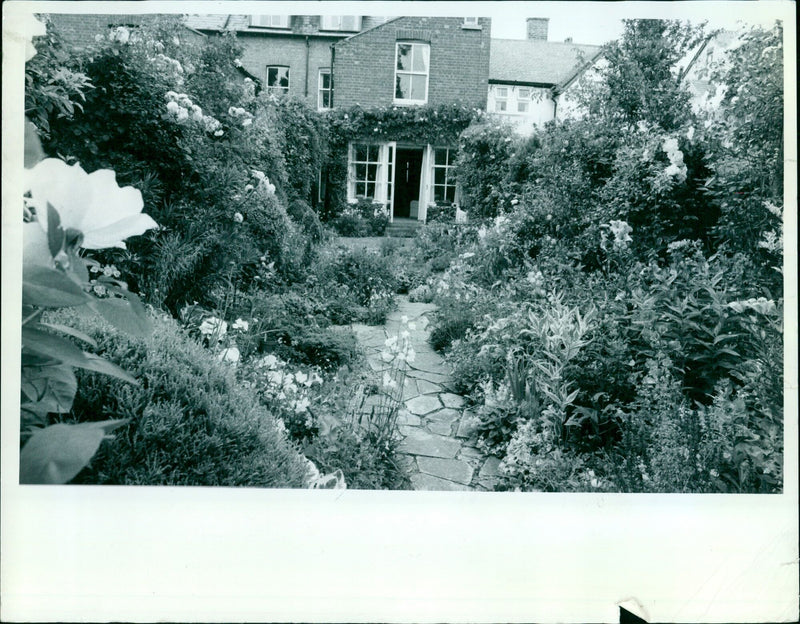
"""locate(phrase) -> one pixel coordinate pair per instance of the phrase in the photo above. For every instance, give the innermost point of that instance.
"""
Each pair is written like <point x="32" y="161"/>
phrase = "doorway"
<point x="407" y="177"/>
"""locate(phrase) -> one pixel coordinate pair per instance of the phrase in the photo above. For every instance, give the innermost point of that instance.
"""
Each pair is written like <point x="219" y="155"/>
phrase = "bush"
<point x="364" y="218"/>
<point x="191" y="424"/>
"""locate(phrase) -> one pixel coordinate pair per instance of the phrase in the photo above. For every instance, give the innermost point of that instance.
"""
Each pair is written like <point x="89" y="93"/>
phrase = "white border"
<point x="206" y="554"/>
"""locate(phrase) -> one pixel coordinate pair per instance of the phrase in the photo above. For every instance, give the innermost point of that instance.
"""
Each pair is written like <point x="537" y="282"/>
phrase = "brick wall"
<point x="275" y="49"/>
<point x="459" y="62"/>
<point x="80" y="30"/>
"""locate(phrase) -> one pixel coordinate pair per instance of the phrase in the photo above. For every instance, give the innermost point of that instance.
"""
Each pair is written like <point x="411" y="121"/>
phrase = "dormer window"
<point x="349" y="23"/>
<point x="270" y="21"/>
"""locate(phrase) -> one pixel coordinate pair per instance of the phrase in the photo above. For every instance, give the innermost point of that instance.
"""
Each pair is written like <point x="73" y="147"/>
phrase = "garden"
<point x="611" y="311"/>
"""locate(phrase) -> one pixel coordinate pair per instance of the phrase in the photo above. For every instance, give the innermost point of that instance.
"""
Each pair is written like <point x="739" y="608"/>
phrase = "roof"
<point x="537" y="62"/>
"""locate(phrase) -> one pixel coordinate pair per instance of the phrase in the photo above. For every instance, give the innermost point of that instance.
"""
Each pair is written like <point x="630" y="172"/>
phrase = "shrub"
<point x="364" y="218"/>
<point x="191" y="424"/>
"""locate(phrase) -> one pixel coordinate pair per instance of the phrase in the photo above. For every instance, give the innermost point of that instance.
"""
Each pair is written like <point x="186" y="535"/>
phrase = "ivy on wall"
<point x="437" y="125"/>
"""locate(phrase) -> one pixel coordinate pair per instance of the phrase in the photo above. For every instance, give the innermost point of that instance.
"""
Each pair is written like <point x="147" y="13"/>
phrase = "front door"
<point x="407" y="176"/>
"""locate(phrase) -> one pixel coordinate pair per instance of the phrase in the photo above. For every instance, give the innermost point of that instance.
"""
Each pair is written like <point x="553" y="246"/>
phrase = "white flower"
<point x="91" y="204"/>
<point x="121" y="35"/>
<point x="247" y="122"/>
<point x="301" y="405"/>
<point x="213" y="325"/>
<point x="404" y="319"/>
<point x="241" y="324"/>
<point x="301" y="377"/>
<point x="32" y="28"/>
<point x="388" y="382"/>
<point x="391" y="341"/>
<point x="404" y="334"/>
<point x="270" y="361"/>
<point x="219" y="133"/>
<point x="237" y="217"/>
<point x="412" y="326"/>
<point x="231" y="354"/>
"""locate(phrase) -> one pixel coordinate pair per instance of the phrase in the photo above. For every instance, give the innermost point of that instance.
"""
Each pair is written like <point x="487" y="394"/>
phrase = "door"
<point x="407" y="178"/>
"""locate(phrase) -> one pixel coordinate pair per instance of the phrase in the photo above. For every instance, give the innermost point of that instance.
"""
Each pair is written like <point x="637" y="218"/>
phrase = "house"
<point x="409" y="62"/>
<point x="529" y="77"/>
<point x="288" y="54"/>
<point x="79" y="30"/>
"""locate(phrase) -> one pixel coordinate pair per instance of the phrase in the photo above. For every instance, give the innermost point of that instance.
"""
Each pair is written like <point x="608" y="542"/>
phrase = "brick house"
<point x="80" y="30"/>
<point x="288" y="54"/>
<point x="529" y="77"/>
<point x="409" y="62"/>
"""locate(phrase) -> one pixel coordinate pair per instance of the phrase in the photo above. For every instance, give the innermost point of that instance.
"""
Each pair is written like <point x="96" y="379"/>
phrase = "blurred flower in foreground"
<point x="89" y="203"/>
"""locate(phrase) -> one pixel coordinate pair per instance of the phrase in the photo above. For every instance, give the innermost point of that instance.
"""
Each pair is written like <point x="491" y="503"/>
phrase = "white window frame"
<point x="471" y="22"/>
<point x="324" y="71"/>
<point x="498" y="98"/>
<point x="384" y="173"/>
<point x="284" y="90"/>
<point x="426" y="73"/>
<point x="337" y="22"/>
<point x="270" y="21"/>
<point x="449" y="174"/>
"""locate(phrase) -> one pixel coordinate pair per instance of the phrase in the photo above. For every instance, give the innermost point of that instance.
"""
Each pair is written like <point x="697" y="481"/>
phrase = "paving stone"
<point x="407" y="419"/>
<point x="441" y="421"/>
<point x="490" y="469"/>
<point x="451" y="400"/>
<point x="438" y="378"/>
<point x="450" y="469"/>
<point x="419" y="442"/>
<point x="468" y="426"/>
<point x="422" y="481"/>
<point x="440" y="428"/>
<point x="471" y="454"/>
<point x="410" y="389"/>
<point x="423" y="404"/>
<point x="429" y="362"/>
<point x="427" y="387"/>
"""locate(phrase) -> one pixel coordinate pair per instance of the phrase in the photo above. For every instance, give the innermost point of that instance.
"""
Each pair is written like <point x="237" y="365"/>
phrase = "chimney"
<point x="537" y="28"/>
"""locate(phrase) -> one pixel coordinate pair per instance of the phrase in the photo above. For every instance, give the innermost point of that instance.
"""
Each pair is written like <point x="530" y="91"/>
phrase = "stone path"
<point x="435" y="426"/>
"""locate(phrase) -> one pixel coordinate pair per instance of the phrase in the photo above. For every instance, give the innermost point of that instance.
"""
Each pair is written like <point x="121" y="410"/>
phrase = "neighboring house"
<point x="528" y="77"/>
<point x="407" y="62"/>
<point x="697" y="67"/>
<point x="288" y="54"/>
<point x="80" y="30"/>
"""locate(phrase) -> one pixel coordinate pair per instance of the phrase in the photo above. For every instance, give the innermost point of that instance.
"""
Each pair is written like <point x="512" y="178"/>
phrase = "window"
<point x="324" y="97"/>
<point x="322" y="186"/>
<point x="277" y="79"/>
<point x="470" y="22"/>
<point x="350" y="23"/>
<point x="364" y="172"/>
<point x="444" y="184"/>
<point x="411" y="72"/>
<point x="501" y="99"/>
<point x="523" y="100"/>
<point x="270" y="21"/>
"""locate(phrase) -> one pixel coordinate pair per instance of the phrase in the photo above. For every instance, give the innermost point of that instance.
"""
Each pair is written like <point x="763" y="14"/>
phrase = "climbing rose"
<point x="90" y="203"/>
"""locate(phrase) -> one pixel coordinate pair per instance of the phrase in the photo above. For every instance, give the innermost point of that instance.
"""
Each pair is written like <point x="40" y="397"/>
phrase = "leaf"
<point x="49" y="288"/>
<point x="49" y="345"/>
<point x="71" y="331"/>
<point x="100" y="365"/>
<point x="57" y="453"/>
<point x="55" y="233"/>
<point x="33" y="146"/>
<point x="122" y="315"/>
<point x="48" y="389"/>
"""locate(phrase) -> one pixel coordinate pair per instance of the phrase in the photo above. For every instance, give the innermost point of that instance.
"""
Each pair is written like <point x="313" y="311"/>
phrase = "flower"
<point x="301" y="405"/>
<point x="213" y="325"/>
<point x="32" y="28"/>
<point x="388" y="382"/>
<point x="91" y="204"/>
<point x="300" y="377"/>
<point x="231" y="354"/>
<point x="241" y="324"/>
<point x="270" y="361"/>
<point x="237" y="217"/>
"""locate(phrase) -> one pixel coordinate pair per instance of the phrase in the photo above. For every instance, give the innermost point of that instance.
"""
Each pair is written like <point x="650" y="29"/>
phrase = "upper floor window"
<point x="324" y="92"/>
<point x="278" y="79"/>
<point x="501" y="99"/>
<point x="411" y="73"/>
<point x="341" y="22"/>
<point x="470" y="22"/>
<point x="523" y="100"/>
<point x="270" y="21"/>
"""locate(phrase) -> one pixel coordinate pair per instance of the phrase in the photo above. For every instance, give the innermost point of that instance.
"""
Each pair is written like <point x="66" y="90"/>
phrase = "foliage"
<point x="481" y="168"/>
<point x="190" y="422"/>
<point x="364" y="218"/>
<point x="65" y="211"/>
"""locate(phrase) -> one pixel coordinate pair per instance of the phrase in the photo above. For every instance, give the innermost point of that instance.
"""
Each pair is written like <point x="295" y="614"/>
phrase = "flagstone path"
<point x="436" y="451"/>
